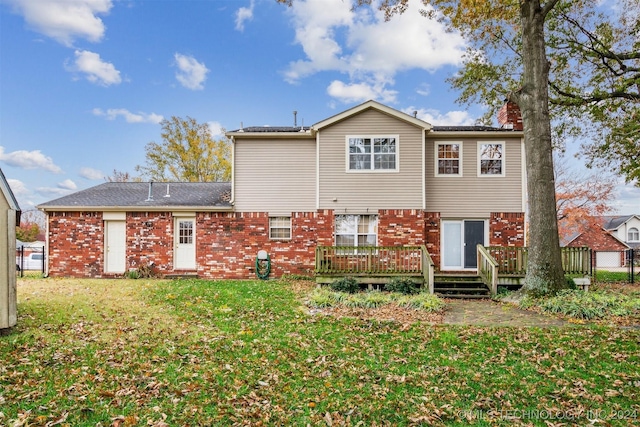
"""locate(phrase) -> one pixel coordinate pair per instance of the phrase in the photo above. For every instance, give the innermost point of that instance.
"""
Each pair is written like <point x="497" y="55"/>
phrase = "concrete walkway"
<point x="491" y="313"/>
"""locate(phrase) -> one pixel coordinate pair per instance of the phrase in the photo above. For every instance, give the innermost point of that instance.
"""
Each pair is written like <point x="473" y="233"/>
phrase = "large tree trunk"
<point x="544" y="271"/>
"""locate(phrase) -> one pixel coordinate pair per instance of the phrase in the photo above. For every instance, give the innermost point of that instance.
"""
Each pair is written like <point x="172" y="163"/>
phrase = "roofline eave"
<point x="45" y="208"/>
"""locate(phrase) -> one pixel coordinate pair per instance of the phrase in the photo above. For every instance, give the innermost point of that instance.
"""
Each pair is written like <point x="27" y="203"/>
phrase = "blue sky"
<point x="85" y="83"/>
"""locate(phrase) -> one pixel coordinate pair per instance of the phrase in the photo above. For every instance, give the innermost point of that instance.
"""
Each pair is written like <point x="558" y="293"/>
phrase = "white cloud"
<point x="17" y="187"/>
<point x="140" y="117"/>
<point x="65" y="20"/>
<point x="363" y="45"/>
<point x="215" y="129"/>
<point x="95" y="69"/>
<point x="29" y="160"/>
<point x="90" y="173"/>
<point x="67" y="184"/>
<point x="244" y="14"/>
<point x="424" y="89"/>
<point x="191" y="73"/>
<point x="436" y="118"/>
<point x="359" y="92"/>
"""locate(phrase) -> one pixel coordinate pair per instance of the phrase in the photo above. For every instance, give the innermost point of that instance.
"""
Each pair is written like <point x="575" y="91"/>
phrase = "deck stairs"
<point x="460" y="285"/>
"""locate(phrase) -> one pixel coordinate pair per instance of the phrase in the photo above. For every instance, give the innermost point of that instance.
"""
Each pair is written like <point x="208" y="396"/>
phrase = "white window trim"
<point x="397" y="153"/>
<point x="460" y="160"/>
<point x="504" y="158"/>
<point x="356" y="234"/>
<point x="631" y="230"/>
<point x="290" y="227"/>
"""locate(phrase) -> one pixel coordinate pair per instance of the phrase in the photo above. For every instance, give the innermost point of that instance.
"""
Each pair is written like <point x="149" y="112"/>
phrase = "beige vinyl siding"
<point x="359" y="191"/>
<point x="275" y="176"/>
<point x="470" y="195"/>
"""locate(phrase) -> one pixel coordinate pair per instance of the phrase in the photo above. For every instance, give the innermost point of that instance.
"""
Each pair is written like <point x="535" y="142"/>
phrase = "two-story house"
<point x="369" y="176"/>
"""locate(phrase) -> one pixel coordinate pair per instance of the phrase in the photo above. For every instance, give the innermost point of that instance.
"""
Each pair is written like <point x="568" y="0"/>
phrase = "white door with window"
<point x="185" y="244"/>
<point x="115" y="246"/>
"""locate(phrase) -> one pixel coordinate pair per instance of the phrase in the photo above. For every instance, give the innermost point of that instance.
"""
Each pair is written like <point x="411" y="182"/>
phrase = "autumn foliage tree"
<point x="32" y="226"/>
<point x="581" y="198"/>
<point x="187" y="153"/>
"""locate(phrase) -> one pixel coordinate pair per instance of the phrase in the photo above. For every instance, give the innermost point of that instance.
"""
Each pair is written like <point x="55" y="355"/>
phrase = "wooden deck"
<point x="497" y="266"/>
<point x="374" y="264"/>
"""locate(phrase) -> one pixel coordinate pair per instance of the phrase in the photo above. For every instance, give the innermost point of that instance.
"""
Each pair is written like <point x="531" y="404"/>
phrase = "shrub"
<point x="422" y="301"/>
<point x="402" y="285"/>
<point x="346" y="284"/>
<point x="371" y="299"/>
<point x="322" y="298"/>
<point x="588" y="305"/>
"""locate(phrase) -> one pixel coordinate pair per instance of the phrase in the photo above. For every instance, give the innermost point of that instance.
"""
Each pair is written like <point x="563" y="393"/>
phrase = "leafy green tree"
<point x="187" y="153"/>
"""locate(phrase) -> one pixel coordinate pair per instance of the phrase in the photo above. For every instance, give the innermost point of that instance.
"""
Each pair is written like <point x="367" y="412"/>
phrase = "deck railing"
<point x="513" y="260"/>
<point x="354" y="260"/>
<point x="488" y="269"/>
<point x="378" y="261"/>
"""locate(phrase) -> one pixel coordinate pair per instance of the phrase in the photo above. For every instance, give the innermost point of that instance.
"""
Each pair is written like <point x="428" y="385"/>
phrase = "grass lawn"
<point x="172" y="353"/>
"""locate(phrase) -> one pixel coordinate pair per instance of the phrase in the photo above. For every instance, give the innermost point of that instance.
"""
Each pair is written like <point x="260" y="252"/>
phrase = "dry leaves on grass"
<point x="390" y="313"/>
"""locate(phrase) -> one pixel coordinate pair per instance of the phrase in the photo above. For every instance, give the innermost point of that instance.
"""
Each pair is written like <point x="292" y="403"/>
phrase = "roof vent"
<point x="150" y="196"/>
<point x="295" y="119"/>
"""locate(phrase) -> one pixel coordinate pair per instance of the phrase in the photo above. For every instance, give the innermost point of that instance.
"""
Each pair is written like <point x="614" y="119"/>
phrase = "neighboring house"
<point x="608" y="250"/>
<point x="625" y="227"/>
<point x="9" y="218"/>
<point x="370" y="175"/>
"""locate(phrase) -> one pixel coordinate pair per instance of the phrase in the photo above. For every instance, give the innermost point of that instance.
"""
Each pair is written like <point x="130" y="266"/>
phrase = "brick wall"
<point x="432" y="236"/>
<point x="149" y="239"/>
<point x="506" y="229"/>
<point x="400" y="227"/>
<point x="76" y="244"/>
<point x="227" y="243"/>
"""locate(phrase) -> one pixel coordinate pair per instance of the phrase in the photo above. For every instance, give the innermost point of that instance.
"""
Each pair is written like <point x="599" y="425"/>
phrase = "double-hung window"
<point x="280" y="227"/>
<point x="356" y="230"/>
<point x="491" y="159"/>
<point x="633" y="235"/>
<point x="375" y="153"/>
<point x="449" y="158"/>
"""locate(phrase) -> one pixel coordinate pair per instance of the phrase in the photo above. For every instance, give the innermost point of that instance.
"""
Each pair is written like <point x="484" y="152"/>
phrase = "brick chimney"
<point x="509" y="116"/>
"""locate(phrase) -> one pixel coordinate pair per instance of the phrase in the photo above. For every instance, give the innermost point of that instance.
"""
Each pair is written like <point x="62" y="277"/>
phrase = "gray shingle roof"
<point x="612" y="222"/>
<point x="136" y="195"/>
<point x="286" y="129"/>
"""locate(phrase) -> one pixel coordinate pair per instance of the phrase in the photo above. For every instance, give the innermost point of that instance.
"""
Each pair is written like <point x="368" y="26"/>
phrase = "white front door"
<point x="185" y="243"/>
<point x="115" y="247"/>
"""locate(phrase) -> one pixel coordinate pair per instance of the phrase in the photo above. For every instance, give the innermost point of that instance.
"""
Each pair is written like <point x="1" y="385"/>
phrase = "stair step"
<point x="478" y="289"/>
<point x="462" y="296"/>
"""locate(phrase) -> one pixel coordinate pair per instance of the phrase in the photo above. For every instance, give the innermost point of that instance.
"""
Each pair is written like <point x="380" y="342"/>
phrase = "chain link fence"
<point x="30" y="258"/>
<point x="624" y="265"/>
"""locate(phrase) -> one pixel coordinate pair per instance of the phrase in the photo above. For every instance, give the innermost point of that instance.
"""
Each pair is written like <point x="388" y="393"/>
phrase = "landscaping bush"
<point x="346" y="284"/>
<point x="402" y="285"/>
<point x="422" y="301"/>
<point x="590" y="305"/>
<point x="372" y="299"/>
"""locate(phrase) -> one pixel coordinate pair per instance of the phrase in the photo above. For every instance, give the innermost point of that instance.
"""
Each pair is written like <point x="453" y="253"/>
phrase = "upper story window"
<point x="449" y="158"/>
<point x="379" y="153"/>
<point x="633" y="235"/>
<point x="280" y="227"/>
<point x="491" y="159"/>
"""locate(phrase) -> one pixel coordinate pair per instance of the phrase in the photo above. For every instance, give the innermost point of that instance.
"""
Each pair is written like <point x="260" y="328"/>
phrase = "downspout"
<point x="233" y="171"/>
